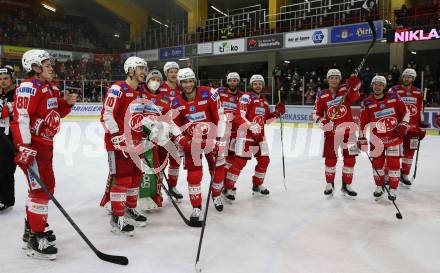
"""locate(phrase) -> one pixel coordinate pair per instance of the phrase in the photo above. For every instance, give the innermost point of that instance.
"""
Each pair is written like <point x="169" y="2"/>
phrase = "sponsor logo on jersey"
<point x="27" y="90"/>
<point x="334" y="102"/>
<point x="229" y="105"/>
<point x="199" y="129"/>
<point x="172" y="93"/>
<point x="382" y="106"/>
<point x="192" y="108"/>
<point x="52" y="103"/>
<point x="153" y="100"/>
<point x="136" y="108"/>
<point x="202" y="102"/>
<point x="407" y="100"/>
<point x="199" y="116"/>
<point x="260" y="111"/>
<point x="175" y="103"/>
<point x="115" y="92"/>
<point x="386" y="124"/>
<point x="152" y="108"/>
<point x="214" y="95"/>
<point x="384" y="113"/>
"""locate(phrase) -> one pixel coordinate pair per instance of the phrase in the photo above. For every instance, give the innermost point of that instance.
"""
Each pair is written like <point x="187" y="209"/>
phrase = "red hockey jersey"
<point x="122" y="112"/>
<point x="38" y="110"/>
<point x="383" y="116"/>
<point x="413" y="99"/>
<point x="170" y="92"/>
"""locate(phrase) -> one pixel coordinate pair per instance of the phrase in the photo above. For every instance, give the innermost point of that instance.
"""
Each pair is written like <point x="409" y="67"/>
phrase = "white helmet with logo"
<point x="409" y="72"/>
<point x="34" y="57"/>
<point x="334" y="72"/>
<point x="256" y="77"/>
<point x="233" y="75"/>
<point x="380" y="79"/>
<point x="185" y="74"/>
<point x="168" y="66"/>
<point x="133" y="62"/>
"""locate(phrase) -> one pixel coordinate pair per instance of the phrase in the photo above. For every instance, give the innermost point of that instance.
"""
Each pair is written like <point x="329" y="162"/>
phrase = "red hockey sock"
<point x="347" y="169"/>
<point x="330" y="169"/>
<point x="260" y="170"/>
<point x="133" y="192"/>
<point x="194" y="187"/>
<point x="217" y="183"/>
<point x="118" y="195"/>
<point x="406" y="165"/>
<point x="37" y="211"/>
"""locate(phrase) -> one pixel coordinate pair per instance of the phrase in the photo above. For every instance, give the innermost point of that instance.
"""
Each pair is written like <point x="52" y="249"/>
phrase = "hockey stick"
<point x="359" y="67"/>
<point x="418" y="143"/>
<point x="187" y="222"/>
<point x="105" y="257"/>
<point x="282" y="143"/>
<point x="205" y="215"/>
<point x="398" y="214"/>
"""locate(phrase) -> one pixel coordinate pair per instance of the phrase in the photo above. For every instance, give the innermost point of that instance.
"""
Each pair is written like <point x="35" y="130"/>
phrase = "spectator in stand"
<point x="395" y="75"/>
<point x="310" y="96"/>
<point x="366" y="76"/>
<point x="348" y="68"/>
<point x="277" y="73"/>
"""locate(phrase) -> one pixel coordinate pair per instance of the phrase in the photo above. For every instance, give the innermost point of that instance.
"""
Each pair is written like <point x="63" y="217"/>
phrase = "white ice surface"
<point x="297" y="230"/>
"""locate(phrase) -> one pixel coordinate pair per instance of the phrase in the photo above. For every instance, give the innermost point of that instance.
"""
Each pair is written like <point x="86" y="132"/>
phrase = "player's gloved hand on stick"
<point x="184" y="142"/>
<point x="401" y="129"/>
<point x="354" y="83"/>
<point x="25" y="156"/>
<point x="118" y="140"/>
<point x="362" y="143"/>
<point x="280" y="109"/>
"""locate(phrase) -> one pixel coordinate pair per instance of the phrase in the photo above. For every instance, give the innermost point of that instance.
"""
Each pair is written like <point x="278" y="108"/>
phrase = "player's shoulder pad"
<point x="367" y="101"/>
<point x="245" y="98"/>
<point x="394" y="89"/>
<point x="175" y="103"/>
<point x="116" y="90"/>
<point x="392" y="94"/>
<point x="323" y="93"/>
<point x="221" y="90"/>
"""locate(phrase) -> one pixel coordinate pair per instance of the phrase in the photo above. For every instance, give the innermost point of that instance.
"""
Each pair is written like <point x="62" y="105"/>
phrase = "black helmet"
<point x="7" y="69"/>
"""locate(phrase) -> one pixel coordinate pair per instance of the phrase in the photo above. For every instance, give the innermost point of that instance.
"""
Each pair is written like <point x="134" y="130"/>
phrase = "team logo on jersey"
<point x="408" y="94"/>
<point x="259" y="120"/>
<point x="382" y="106"/>
<point x="232" y="99"/>
<point x="192" y="108"/>
<point x="386" y="124"/>
<point x="153" y="100"/>
<point x="172" y="93"/>
<point x="136" y="122"/>
<point x="260" y="111"/>
<point x="199" y="116"/>
<point x="199" y="129"/>
<point x="384" y="113"/>
<point x="245" y="99"/>
<point x="52" y="121"/>
<point x="52" y="103"/>
<point x="339" y="114"/>
<point x="412" y="109"/>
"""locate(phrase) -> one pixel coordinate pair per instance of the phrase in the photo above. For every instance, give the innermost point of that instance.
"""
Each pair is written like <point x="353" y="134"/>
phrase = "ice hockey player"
<point x="413" y="99"/>
<point x="122" y="116"/>
<point x="37" y="112"/>
<point x="229" y="100"/>
<point x="171" y="89"/>
<point x="200" y="117"/>
<point x="251" y="116"/>
<point x="388" y="119"/>
<point x="339" y="129"/>
<point x="157" y="121"/>
<point x="8" y="166"/>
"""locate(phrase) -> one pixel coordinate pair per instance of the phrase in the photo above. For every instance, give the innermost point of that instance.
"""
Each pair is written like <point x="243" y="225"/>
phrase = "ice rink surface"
<point x="293" y="231"/>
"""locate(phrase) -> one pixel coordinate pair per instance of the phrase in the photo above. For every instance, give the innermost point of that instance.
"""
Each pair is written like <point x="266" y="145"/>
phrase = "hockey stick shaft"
<point x="282" y="143"/>
<point x="105" y="257"/>
<point x="205" y="215"/>
<point x="359" y="67"/>
<point x="399" y="214"/>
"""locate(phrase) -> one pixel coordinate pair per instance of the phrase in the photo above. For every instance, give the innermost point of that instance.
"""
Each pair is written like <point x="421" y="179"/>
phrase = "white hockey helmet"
<point x="256" y="77"/>
<point x="133" y="62"/>
<point x="334" y="72"/>
<point x="185" y="74"/>
<point x="233" y="75"/>
<point x="34" y="57"/>
<point x="409" y="72"/>
<point x="168" y="66"/>
<point x="380" y="79"/>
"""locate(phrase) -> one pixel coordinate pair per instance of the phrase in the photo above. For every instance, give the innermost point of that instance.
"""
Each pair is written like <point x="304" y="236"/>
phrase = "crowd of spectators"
<point x="301" y="86"/>
<point x="34" y="29"/>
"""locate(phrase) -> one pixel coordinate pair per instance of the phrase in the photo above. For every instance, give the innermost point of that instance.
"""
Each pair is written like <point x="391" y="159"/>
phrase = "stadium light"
<point x="46" y="6"/>
<point x="287" y="62"/>
<point x="219" y="11"/>
<point x="413" y="52"/>
<point x="183" y="59"/>
<point x="116" y="35"/>
<point x="159" y="22"/>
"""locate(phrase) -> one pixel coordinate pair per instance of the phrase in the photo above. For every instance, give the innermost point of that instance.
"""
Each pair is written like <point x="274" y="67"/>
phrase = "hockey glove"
<point x="25" y="156"/>
<point x="354" y="83"/>
<point x="362" y="143"/>
<point x="401" y="130"/>
<point x="184" y="142"/>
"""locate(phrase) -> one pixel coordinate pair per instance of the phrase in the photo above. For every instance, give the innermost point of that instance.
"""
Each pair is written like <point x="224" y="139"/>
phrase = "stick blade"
<point x="198" y="267"/>
<point x="197" y="224"/>
<point x="121" y="260"/>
